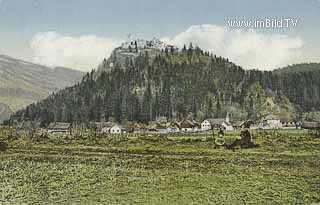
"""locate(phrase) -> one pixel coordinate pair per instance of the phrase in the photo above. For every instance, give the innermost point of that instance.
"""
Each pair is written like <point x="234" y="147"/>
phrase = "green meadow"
<point x="173" y="169"/>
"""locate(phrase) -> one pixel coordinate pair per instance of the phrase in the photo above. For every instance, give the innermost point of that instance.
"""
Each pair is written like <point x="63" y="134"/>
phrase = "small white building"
<point x="102" y="127"/>
<point x="206" y="125"/>
<point x="217" y="123"/>
<point x="271" y="122"/>
<point x="227" y="126"/>
<point x="117" y="129"/>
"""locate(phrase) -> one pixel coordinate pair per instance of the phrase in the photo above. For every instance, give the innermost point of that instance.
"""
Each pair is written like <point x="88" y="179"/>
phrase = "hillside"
<point x="22" y="83"/>
<point x="142" y="84"/>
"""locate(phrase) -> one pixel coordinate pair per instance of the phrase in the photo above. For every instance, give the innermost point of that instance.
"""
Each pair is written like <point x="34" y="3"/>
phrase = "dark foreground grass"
<point x="166" y="171"/>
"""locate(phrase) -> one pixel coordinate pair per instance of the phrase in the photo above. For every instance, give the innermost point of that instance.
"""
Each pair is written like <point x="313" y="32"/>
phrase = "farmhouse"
<point x="311" y="125"/>
<point x="139" y="128"/>
<point x="103" y="127"/>
<point x="286" y="123"/>
<point x="152" y="125"/>
<point x="173" y="127"/>
<point x="210" y="124"/>
<point x="59" y="127"/>
<point x="187" y="126"/>
<point x="197" y="126"/>
<point x="271" y="122"/>
<point x="161" y="127"/>
<point x="227" y="126"/>
<point x="117" y="129"/>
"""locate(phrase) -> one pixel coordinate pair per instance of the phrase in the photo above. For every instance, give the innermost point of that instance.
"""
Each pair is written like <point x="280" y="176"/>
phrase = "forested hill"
<point x="143" y="85"/>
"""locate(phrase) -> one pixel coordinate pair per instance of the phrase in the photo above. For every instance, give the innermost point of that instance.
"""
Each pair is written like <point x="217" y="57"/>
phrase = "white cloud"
<point x="246" y="48"/>
<point x="79" y="52"/>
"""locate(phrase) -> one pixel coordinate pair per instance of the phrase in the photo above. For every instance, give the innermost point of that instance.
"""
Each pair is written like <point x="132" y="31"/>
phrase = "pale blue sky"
<point x="20" y="20"/>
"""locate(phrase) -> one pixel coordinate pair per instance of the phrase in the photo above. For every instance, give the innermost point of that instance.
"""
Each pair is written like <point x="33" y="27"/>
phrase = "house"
<point x="129" y="127"/>
<point x="187" y="126"/>
<point x="117" y="129"/>
<point x="217" y="123"/>
<point x="197" y="126"/>
<point x="161" y="128"/>
<point x="271" y="122"/>
<point x="227" y="126"/>
<point x="59" y="127"/>
<point x="157" y="127"/>
<point x="136" y="128"/>
<point x="311" y="125"/>
<point x="210" y="124"/>
<point x="139" y="128"/>
<point x="103" y="127"/>
<point x="152" y="125"/>
<point x="287" y="123"/>
<point x="173" y="127"/>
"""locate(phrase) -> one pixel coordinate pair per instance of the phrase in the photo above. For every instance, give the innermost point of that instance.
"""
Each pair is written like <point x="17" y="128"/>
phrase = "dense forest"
<point x="177" y="84"/>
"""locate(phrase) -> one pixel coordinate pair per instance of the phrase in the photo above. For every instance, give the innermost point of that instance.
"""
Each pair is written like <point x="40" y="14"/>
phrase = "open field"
<point x="179" y="169"/>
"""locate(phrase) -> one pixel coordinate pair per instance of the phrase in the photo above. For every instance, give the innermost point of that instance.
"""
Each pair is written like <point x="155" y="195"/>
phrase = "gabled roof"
<point x="119" y="126"/>
<point x="186" y="123"/>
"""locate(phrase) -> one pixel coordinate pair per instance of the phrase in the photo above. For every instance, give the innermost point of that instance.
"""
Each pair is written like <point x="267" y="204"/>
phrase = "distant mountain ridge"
<point x="141" y="83"/>
<point x="22" y="82"/>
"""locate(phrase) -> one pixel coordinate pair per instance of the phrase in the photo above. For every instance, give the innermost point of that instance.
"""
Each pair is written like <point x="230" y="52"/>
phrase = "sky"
<point x="80" y="33"/>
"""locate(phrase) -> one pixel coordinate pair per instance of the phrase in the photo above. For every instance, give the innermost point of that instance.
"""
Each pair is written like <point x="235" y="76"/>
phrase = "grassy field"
<point x="179" y="169"/>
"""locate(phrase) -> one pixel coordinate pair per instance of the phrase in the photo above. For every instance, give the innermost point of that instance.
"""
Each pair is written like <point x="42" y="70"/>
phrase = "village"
<point x="164" y="126"/>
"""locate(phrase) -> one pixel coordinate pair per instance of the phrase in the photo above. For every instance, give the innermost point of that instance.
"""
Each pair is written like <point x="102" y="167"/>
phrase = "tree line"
<point x="189" y="83"/>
